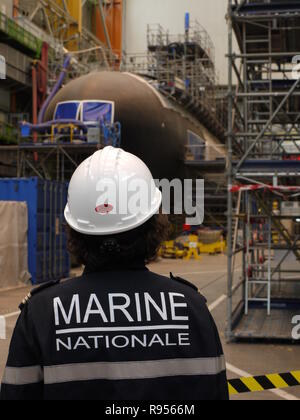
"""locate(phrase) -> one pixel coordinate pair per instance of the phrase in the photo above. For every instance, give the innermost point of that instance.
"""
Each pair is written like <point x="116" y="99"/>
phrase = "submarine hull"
<point x="152" y="127"/>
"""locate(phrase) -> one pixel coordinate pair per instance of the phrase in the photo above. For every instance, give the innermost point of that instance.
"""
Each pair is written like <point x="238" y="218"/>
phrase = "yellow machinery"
<point x="170" y="249"/>
<point x="212" y="249"/>
<point x="191" y="249"/>
<point x="58" y="128"/>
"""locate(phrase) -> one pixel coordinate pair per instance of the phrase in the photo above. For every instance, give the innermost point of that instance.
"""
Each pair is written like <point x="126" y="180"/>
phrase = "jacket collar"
<point x="135" y="266"/>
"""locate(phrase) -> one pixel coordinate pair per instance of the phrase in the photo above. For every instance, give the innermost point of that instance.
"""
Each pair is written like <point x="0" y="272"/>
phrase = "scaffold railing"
<point x="205" y="153"/>
<point x="161" y="39"/>
<point x="183" y="69"/>
<point x="57" y="151"/>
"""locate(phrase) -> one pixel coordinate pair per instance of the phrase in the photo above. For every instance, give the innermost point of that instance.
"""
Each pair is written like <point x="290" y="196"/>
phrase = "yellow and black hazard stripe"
<point x="264" y="383"/>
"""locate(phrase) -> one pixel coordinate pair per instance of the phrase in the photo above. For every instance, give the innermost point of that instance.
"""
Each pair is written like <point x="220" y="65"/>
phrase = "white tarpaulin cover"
<point x="13" y="244"/>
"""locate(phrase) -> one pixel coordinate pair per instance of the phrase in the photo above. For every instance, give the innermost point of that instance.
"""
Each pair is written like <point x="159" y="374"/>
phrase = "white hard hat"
<point x="111" y="192"/>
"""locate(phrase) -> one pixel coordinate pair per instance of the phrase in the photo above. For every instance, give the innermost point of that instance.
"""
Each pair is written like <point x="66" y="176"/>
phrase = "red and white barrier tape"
<point x="257" y="187"/>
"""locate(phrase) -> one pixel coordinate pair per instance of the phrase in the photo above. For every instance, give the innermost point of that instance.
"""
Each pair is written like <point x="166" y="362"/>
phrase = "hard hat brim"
<point x="93" y="231"/>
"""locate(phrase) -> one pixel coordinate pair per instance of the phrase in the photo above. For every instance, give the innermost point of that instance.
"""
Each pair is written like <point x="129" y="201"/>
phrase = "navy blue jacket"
<point x="116" y="335"/>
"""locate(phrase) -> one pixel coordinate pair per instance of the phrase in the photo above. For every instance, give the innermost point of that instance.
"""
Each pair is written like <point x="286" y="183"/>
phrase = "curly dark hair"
<point x="103" y="252"/>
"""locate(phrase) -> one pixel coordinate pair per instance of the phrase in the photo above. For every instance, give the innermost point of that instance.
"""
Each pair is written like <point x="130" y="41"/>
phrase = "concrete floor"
<point x="209" y="275"/>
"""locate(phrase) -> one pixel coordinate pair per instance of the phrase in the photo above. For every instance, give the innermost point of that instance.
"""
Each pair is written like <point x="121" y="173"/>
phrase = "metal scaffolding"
<point x="59" y="150"/>
<point x="183" y="67"/>
<point x="51" y="162"/>
<point x="84" y="61"/>
<point x="37" y="22"/>
<point x="52" y="22"/>
<point x="208" y="162"/>
<point x="53" y="19"/>
<point x="264" y="132"/>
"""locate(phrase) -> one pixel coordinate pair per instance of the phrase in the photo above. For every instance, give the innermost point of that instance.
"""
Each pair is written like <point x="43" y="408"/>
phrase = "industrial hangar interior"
<point x="198" y="91"/>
